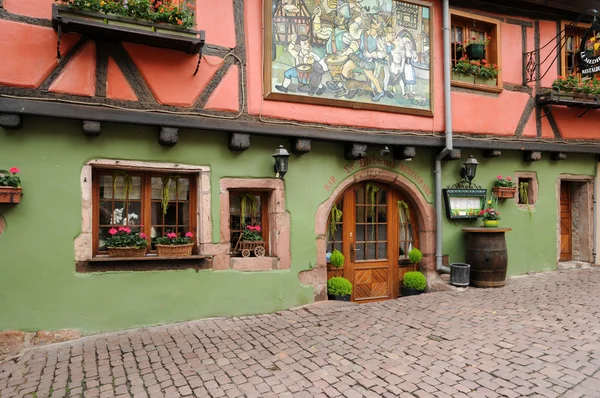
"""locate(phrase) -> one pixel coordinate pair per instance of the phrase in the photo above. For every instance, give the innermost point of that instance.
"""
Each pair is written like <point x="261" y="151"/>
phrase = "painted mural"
<point x="359" y="53"/>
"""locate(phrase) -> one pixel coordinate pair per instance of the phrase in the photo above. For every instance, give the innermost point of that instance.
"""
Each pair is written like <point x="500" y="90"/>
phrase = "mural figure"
<point x="375" y="52"/>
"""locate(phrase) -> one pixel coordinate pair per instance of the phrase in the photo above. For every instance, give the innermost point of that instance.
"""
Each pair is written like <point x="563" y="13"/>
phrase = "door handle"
<point x="353" y="251"/>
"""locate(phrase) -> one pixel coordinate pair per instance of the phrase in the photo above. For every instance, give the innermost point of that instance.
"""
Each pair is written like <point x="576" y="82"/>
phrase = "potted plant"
<point x="476" y="47"/>
<point x="464" y="71"/>
<point x="504" y="188"/>
<point x="414" y="283"/>
<point x="415" y="256"/>
<point x="337" y="259"/>
<point x="124" y="243"/>
<point x="339" y="288"/>
<point x="487" y="74"/>
<point x="174" y="245"/>
<point x="490" y="216"/>
<point x="565" y="84"/>
<point x="10" y="186"/>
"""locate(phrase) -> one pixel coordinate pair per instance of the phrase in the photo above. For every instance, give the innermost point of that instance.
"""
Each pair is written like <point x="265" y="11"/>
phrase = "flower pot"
<point x="338" y="298"/>
<point x="10" y="194"/>
<point x="504" y="192"/>
<point x="174" y="250"/>
<point x="486" y="82"/>
<point x="476" y="51"/>
<point x="127" y="251"/>
<point x="407" y="291"/>
<point x="463" y="78"/>
<point x="491" y="223"/>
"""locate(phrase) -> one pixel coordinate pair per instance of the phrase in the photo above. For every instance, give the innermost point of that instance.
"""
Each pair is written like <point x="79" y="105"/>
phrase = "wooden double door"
<point x="566" y="222"/>
<point x="375" y="234"/>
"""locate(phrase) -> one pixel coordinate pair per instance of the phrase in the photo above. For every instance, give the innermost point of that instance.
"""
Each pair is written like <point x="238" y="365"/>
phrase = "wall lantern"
<point x="469" y="169"/>
<point x="281" y="157"/>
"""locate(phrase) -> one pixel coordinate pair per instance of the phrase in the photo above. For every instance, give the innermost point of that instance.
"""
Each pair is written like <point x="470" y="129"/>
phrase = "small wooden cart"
<point x="246" y="247"/>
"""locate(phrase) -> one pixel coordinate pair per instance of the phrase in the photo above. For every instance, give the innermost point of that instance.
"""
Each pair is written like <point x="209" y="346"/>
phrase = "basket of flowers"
<point x="250" y="241"/>
<point x="122" y="242"/>
<point x="174" y="245"/>
<point x="504" y="188"/>
<point x="10" y="186"/>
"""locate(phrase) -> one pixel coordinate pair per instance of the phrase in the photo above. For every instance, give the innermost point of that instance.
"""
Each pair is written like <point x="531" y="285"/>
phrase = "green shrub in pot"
<point x="414" y="283"/>
<point x="339" y="288"/>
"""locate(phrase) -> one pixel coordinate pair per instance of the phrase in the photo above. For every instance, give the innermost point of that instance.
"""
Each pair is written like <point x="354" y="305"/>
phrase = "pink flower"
<point x="499" y="177"/>
<point x="143" y="235"/>
<point x="189" y="235"/>
<point x="112" y="231"/>
<point x="257" y="228"/>
<point x="481" y="213"/>
<point x="171" y="235"/>
<point x="121" y="228"/>
<point x="508" y="178"/>
<point x="127" y="230"/>
<point x="14" y="170"/>
<point x="250" y="227"/>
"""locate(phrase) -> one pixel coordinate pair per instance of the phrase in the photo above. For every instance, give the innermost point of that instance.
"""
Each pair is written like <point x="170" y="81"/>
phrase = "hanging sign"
<point x="589" y="51"/>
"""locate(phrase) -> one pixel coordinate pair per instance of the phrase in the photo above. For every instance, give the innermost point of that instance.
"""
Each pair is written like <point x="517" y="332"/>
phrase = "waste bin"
<point x="460" y="274"/>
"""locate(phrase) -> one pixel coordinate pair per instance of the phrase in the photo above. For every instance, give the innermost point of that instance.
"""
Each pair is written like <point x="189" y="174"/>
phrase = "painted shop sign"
<point x="362" y="54"/>
<point x="589" y="52"/>
<point x="370" y="161"/>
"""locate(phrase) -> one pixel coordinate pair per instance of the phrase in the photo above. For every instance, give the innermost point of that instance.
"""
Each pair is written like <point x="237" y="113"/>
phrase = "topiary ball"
<point x="415" y="280"/>
<point x="415" y="255"/>
<point x="338" y="286"/>
<point x="337" y="259"/>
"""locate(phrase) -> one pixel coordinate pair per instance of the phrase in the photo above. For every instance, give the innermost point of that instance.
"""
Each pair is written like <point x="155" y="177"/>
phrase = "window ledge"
<point x="107" y="259"/>
<point x="148" y="263"/>
<point x="478" y="87"/>
<point x="254" y="263"/>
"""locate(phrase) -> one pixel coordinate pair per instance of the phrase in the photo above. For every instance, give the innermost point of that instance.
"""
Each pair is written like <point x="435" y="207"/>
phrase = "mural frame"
<point x="270" y="94"/>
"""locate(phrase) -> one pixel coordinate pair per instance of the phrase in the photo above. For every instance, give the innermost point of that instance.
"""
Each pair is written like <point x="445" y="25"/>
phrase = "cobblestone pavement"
<point x="539" y="336"/>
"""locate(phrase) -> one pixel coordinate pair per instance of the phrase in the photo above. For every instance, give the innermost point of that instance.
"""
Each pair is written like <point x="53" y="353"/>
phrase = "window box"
<point x="486" y="82"/>
<point x="10" y="195"/>
<point x="116" y="27"/>
<point x="570" y="99"/>
<point x="463" y="78"/>
<point x="464" y="203"/>
<point x="504" y="192"/>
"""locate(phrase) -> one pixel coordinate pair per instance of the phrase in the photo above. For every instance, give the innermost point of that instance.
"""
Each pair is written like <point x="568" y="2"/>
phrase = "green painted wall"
<point x="39" y="288"/>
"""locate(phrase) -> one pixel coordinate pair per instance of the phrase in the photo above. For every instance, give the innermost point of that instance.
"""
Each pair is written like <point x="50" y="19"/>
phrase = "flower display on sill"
<point x="490" y="213"/>
<point x="173" y="238"/>
<point x="572" y="84"/>
<point x="124" y="237"/>
<point x="480" y="69"/>
<point x="9" y="178"/>
<point x="156" y="12"/>
<point x="252" y="233"/>
<point x="485" y="40"/>
<point x="504" y="182"/>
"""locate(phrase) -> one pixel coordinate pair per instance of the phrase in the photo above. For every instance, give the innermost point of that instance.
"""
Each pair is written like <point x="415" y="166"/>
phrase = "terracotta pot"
<point x="504" y="192"/>
<point x="10" y="194"/>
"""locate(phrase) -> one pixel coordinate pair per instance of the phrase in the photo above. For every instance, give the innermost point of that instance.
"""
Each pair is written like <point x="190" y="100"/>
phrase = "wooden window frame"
<point x="493" y="50"/>
<point x="264" y="195"/>
<point x="145" y="199"/>
<point x="579" y="30"/>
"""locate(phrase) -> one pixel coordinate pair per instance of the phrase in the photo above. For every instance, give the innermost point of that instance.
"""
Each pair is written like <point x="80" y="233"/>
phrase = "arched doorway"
<point x="374" y="225"/>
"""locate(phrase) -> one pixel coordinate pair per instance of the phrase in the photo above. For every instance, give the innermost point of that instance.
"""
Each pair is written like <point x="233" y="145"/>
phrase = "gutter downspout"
<point x="448" y="123"/>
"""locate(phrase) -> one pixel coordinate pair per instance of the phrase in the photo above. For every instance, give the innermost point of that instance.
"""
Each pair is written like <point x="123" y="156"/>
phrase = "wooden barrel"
<point x="487" y="255"/>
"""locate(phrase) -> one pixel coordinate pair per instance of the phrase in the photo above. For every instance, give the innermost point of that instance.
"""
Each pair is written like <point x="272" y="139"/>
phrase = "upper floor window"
<point x="570" y="44"/>
<point x="146" y="202"/>
<point x="476" y="39"/>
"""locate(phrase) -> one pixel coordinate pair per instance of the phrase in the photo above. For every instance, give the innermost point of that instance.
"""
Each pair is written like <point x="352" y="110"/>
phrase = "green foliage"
<point x="252" y="233"/>
<point x="335" y="216"/>
<point x="123" y="237"/>
<point x="166" y="190"/>
<point x="9" y="178"/>
<point x="248" y="207"/>
<point x="337" y="259"/>
<point x="504" y="182"/>
<point x="174" y="239"/>
<point x="127" y="182"/>
<point x="139" y="9"/>
<point x="338" y="286"/>
<point x="415" y="255"/>
<point x="415" y="280"/>
<point x="524" y="195"/>
<point x="491" y="211"/>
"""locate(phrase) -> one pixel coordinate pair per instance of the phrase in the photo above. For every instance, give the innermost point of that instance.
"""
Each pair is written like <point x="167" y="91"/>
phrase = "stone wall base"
<point x="13" y="342"/>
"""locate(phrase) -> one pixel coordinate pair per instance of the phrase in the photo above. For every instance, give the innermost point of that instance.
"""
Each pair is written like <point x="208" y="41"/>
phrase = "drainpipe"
<point x="438" y="159"/>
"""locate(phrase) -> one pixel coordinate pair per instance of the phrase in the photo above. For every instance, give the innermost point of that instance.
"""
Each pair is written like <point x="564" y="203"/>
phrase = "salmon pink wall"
<point x="30" y="8"/>
<point x="117" y="87"/>
<point x="79" y="76"/>
<point x="512" y="53"/>
<point x="217" y="22"/>
<point x="547" y="34"/>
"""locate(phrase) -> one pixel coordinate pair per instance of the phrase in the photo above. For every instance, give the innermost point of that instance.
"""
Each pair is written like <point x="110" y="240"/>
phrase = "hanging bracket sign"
<point x="589" y="51"/>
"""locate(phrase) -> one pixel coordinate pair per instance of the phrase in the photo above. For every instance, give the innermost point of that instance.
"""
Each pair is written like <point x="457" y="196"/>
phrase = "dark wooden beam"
<point x="91" y="128"/>
<point x="239" y="142"/>
<point x="531" y="156"/>
<point x="558" y="156"/>
<point x="168" y="136"/>
<point x="301" y="146"/>
<point x="10" y="121"/>
<point x="103" y="114"/>
<point x="403" y="152"/>
<point x="354" y="151"/>
<point x="454" y="154"/>
<point x="491" y="153"/>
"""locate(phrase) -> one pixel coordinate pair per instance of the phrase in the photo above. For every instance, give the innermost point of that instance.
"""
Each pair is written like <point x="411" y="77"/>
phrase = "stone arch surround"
<point x="425" y="216"/>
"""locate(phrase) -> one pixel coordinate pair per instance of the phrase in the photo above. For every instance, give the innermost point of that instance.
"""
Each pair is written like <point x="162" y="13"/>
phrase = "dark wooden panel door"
<point x="566" y="223"/>
<point x="372" y="237"/>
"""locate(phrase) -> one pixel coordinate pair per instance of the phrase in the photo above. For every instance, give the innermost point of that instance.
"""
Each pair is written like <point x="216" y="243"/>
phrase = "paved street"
<point x="539" y="336"/>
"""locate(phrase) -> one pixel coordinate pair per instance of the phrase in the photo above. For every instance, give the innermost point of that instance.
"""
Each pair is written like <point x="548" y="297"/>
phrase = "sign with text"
<point x="589" y="51"/>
